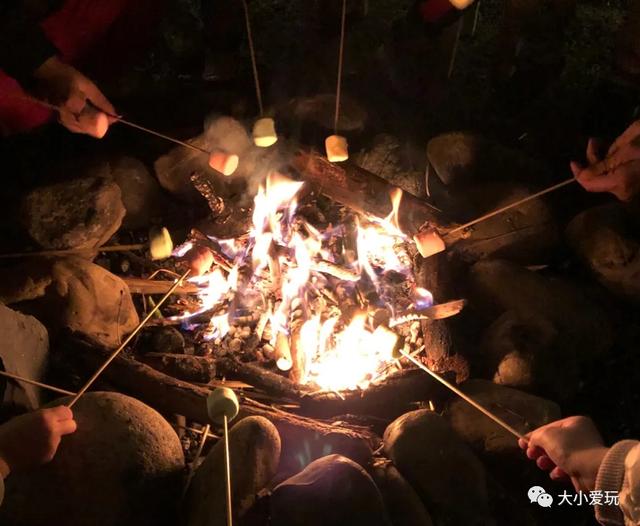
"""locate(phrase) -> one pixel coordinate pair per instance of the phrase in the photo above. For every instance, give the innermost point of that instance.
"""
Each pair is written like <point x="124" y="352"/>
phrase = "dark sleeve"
<point x="23" y="44"/>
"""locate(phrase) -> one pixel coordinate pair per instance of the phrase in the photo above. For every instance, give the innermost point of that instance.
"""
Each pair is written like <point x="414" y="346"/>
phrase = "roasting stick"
<point x="37" y="384"/>
<point x="219" y="160"/>
<point x="264" y="129"/>
<point x="512" y="205"/>
<point x="336" y="145"/>
<point x="465" y="397"/>
<point x="192" y="468"/>
<point x="222" y="407"/>
<point x="128" y="339"/>
<point x="429" y="242"/>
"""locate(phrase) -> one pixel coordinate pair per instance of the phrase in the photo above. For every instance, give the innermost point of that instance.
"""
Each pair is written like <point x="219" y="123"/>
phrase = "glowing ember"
<point x="324" y="296"/>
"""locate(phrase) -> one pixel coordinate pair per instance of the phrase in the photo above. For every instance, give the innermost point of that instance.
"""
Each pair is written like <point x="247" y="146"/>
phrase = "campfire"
<point x="331" y="295"/>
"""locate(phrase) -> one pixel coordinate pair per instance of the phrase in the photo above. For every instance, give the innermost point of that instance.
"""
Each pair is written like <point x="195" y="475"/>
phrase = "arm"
<point x="620" y="472"/>
<point x="573" y="449"/>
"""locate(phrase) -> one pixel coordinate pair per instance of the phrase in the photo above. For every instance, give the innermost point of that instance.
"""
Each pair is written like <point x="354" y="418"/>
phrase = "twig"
<point x="36" y="383"/>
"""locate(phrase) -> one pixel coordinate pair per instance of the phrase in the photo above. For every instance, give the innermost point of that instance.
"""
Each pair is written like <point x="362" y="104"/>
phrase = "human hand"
<point x="33" y="439"/>
<point x="79" y="100"/>
<point x="619" y="171"/>
<point x="569" y="448"/>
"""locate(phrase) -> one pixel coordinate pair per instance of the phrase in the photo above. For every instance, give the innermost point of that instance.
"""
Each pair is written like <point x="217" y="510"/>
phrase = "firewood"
<point x="182" y="366"/>
<point x="149" y="286"/>
<point x="172" y="396"/>
<point x="365" y="192"/>
<point x="335" y="270"/>
<point x="260" y="378"/>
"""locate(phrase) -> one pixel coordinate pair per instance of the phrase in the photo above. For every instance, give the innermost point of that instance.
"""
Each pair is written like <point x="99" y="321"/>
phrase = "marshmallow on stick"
<point x="223" y="162"/>
<point x="337" y="148"/>
<point x="429" y="243"/>
<point x="264" y="132"/>
<point x="160" y="244"/>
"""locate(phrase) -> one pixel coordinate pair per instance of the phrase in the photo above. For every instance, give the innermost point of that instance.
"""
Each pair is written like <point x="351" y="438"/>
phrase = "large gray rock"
<point x="330" y="490"/>
<point x="442" y="469"/>
<point x="24" y="349"/>
<point x="567" y="329"/>
<point x="607" y="240"/>
<point x="254" y="449"/>
<point x="83" y="213"/>
<point x="123" y="466"/>
<point x="140" y="192"/>
<point x="522" y="411"/>
<point x="402" y="502"/>
<point x="73" y="294"/>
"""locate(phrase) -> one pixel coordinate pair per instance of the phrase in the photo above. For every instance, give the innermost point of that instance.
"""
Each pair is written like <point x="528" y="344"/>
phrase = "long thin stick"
<point x="128" y="339"/>
<point x="37" y="384"/>
<point x="192" y="469"/>
<point x="465" y="397"/>
<point x="126" y="123"/>
<point x="509" y="207"/>
<point x="252" y="51"/>
<point x="340" y="62"/>
<point x="45" y="253"/>
<point x="227" y="467"/>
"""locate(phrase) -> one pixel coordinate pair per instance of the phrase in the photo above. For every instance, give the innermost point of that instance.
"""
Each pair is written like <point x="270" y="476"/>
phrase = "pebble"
<point x="235" y="345"/>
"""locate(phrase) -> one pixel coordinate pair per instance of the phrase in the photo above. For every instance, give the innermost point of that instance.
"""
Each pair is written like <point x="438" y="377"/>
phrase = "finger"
<point x="593" y="179"/>
<point x="76" y="102"/>
<point x="61" y="412"/>
<point x="535" y="452"/>
<point x="593" y="147"/>
<point x="66" y="427"/>
<point x="101" y="102"/>
<point x="576" y="168"/>
<point x="523" y="443"/>
<point x="558" y="474"/>
<point x="94" y="123"/>
<point x="69" y="121"/>
<point x="627" y="136"/>
<point x="545" y="463"/>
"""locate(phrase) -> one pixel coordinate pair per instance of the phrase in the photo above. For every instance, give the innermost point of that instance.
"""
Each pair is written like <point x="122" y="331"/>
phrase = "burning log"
<point x="388" y="400"/>
<point x="365" y="192"/>
<point x="149" y="286"/>
<point x="299" y="434"/>
<point x="259" y="377"/>
<point x="337" y="271"/>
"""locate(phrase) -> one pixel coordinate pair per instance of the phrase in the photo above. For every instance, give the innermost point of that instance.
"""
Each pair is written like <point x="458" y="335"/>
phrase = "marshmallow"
<point x="429" y="243"/>
<point x="222" y="402"/>
<point x="337" y="148"/>
<point x="264" y="132"/>
<point x="223" y="162"/>
<point x="200" y="260"/>
<point x="160" y="244"/>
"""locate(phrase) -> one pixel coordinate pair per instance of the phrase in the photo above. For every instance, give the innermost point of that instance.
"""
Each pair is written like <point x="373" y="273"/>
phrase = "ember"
<point x="322" y="306"/>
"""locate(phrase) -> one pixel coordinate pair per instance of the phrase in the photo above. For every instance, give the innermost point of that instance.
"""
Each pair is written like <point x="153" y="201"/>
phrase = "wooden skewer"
<point x="227" y="468"/>
<point x="36" y="383"/>
<point x="128" y="339"/>
<point x="509" y="207"/>
<point x="465" y="397"/>
<point x="126" y="122"/>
